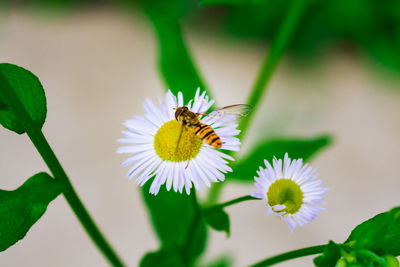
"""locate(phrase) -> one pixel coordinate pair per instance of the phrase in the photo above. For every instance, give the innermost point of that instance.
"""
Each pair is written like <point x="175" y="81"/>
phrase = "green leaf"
<point x="2" y="105"/>
<point x="163" y="258"/>
<point x="175" y="62"/>
<point x="173" y="215"/>
<point x="218" y="219"/>
<point x="26" y="86"/>
<point x="296" y="148"/>
<point x="380" y="234"/>
<point x="329" y="257"/>
<point x="21" y="208"/>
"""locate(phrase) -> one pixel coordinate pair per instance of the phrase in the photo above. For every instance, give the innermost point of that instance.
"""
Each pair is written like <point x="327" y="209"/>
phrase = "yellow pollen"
<point x="167" y="146"/>
<point x="285" y="192"/>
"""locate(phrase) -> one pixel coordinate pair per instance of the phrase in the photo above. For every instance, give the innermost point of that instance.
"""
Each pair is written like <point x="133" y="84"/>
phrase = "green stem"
<point x="272" y="58"/>
<point x="234" y="201"/>
<point x="290" y="255"/>
<point x="44" y="149"/>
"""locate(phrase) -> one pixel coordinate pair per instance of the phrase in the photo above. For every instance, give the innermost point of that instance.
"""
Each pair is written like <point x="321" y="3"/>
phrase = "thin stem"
<point x="35" y="134"/>
<point x="234" y="201"/>
<point x="272" y="58"/>
<point x="290" y="255"/>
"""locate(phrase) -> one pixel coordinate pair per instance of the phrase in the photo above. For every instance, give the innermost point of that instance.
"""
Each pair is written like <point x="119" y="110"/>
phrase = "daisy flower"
<point x="152" y="142"/>
<point x="291" y="191"/>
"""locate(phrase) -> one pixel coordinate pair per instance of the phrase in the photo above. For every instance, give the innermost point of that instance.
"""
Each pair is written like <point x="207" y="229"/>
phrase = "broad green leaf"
<point x="28" y="90"/>
<point x="380" y="234"/>
<point x="175" y="62"/>
<point x="329" y="257"/>
<point x="218" y="219"/>
<point x="296" y="148"/>
<point x="21" y="208"/>
<point x="2" y="105"/>
<point x="169" y="257"/>
<point x="172" y="215"/>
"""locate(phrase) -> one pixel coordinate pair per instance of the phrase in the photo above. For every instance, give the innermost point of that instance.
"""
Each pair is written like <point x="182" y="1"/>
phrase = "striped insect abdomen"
<point x="207" y="134"/>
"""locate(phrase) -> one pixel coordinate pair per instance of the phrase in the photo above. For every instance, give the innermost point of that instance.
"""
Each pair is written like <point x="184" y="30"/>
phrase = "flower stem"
<point x="290" y="255"/>
<point x="234" y="201"/>
<point x="278" y="46"/>
<point x="44" y="149"/>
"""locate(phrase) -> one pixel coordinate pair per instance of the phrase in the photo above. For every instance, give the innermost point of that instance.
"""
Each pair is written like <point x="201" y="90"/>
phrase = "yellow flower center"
<point x="176" y="142"/>
<point x="285" y="192"/>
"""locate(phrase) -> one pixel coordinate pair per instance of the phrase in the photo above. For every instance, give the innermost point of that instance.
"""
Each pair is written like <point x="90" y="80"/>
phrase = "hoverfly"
<point x="204" y="131"/>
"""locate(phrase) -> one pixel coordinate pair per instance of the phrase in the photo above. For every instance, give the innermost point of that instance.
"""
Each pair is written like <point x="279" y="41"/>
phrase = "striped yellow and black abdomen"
<point x="208" y="135"/>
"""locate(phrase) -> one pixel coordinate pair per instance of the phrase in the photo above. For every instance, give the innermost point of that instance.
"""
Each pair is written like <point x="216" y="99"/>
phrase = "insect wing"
<point x="239" y="110"/>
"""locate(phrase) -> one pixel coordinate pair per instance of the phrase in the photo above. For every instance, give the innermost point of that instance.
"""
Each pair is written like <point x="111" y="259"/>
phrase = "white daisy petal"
<point x="180" y="99"/>
<point x="302" y="204"/>
<point x="150" y="157"/>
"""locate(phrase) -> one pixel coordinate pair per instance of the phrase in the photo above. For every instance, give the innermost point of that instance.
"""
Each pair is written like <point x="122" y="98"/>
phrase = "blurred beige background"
<point x="98" y="66"/>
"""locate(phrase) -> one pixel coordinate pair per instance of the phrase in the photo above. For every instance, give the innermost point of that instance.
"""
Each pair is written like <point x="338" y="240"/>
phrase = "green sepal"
<point x="329" y="256"/>
<point x="19" y="82"/>
<point x="20" y="209"/>
<point x="246" y="167"/>
<point x="218" y="219"/>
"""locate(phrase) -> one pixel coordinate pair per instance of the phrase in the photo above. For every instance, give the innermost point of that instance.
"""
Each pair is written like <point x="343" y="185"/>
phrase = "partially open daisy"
<point x="152" y="141"/>
<point x="291" y="191"/>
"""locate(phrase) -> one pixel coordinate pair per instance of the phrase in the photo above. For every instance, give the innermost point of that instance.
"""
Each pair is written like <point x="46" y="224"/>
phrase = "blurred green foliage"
<point x="246" y="168"/>
<point x="370" y="27"/>
<point x="174" y="219"/>
<point x="175" y="63"/>
<point x="366" y="26"/>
